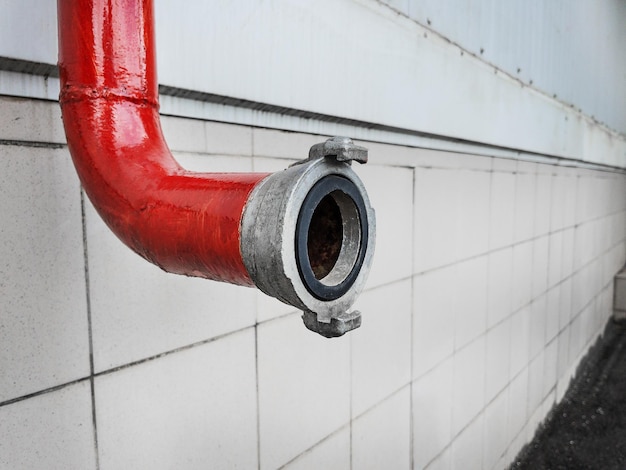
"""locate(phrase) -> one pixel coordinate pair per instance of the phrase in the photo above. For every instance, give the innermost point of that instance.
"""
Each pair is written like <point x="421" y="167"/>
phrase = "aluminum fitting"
<point x="308" y="235"/>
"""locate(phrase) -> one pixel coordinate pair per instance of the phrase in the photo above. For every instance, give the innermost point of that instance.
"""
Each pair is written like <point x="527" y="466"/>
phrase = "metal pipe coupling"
<point x="308" y="235"/>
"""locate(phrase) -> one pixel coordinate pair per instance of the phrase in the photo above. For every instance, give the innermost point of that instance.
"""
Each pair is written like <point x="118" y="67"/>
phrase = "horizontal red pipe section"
<point x="184" y="222"/>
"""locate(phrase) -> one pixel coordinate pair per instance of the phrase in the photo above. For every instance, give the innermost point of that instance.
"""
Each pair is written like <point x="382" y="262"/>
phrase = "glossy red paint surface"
<point x="184" y="222"/>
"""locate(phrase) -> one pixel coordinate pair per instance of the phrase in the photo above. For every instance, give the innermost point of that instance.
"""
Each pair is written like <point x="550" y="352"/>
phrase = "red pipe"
<point x="186" y="223"/>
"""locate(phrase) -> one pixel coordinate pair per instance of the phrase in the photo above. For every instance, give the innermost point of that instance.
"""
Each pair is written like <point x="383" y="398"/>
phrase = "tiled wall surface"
<point x="492" y="277"/>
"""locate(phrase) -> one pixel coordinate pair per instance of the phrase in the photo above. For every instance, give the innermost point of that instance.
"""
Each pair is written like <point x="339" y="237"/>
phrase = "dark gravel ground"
<point x="587" y="429"/>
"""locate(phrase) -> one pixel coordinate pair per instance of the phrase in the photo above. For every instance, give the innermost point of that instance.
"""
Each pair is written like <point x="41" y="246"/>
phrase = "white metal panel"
<point x="28" y="30"/>
<point x="574" y="49"/>
<point x="361" y="59"/>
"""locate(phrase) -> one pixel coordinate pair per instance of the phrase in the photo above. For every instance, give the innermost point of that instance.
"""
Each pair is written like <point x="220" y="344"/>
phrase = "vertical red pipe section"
<point x="186" y="223"/>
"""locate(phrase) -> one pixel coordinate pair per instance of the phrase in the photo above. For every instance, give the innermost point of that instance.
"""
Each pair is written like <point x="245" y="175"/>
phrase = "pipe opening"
<point x="325" y="237"/>
<point x="331" y="237"/>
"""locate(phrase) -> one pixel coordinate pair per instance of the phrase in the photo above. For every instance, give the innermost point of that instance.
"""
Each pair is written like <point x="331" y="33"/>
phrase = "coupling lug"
<point x="342" y="149"/>
<point x="338" y="325"/>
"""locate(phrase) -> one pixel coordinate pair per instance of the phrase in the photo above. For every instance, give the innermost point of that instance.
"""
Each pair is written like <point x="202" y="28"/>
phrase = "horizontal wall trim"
<point x="30" y="143"/>
<point x="29" y="67"/>
<point x="195" y="104"/>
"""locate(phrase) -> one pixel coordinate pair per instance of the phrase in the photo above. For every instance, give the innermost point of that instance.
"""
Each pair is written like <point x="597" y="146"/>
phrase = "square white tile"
<point x="43" y="330"/>
<point x="555" y="261"/>
<point x="468" y="391"/>
<point x="518" y="406"/>
<point x="496" y="430"/>
<point x="381" y="438"/>
<point x="228" y="139"/>
<point x="31" y="120"/>
<point x="187" y="408"/>
<point x="537" y="326"/>
<point x="522" y="274"/>
<point x="524" y="206"/>
<point x="520" y="340"/>
<point x="550" y="368"/>
<point x="472" y="225"/>
<point x="543" y="189"/>
<point x="432" y="413"/>
<point x="502" y="210"/>
<point x="381" y="346"/>
<point x="435" y="220"/>
<point x="499" y="286"/>
<point x="53" y="430"/>
<point x="470" y="293"/>
<point x="497" y="364"/>
<point x="540" y="266"/>
<point x="467" y="448"/>
<point x="182" y="134"/>
<point x="535" y="383"/>
<point x="553" y="308"/>
<point x="433" y="318"/>
<point x="394" y="221"/>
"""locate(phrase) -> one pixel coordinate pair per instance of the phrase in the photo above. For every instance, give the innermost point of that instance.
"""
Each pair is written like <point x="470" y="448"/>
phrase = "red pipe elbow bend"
<point x="304" y="235"/>
<point x="186" y="223"/>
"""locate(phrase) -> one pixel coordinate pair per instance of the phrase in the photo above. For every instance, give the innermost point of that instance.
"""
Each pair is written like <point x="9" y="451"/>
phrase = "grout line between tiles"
<point x="11" y="401"/>
<point x="89" y="328"/>
<point x="412" y="349"/>
<point x="258" y="399"/>
<point x="169" y="352"/>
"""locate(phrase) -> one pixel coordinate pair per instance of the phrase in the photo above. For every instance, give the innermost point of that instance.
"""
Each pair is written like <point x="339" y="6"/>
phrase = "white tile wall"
<point x="520" y="340"/>
<point x="468" y="389"/>
<point x="535" y="382"/>
<point x="550" y="367"/>
<point x="442" y="462"/>
<point x="467" y="448"/>
<point x="522" y="274"/>
<point x="472" y="220"/>
<point x="470" y="306"/>
<point x="436" y="209"/>
<point x="537" y="326"/>
<point x="524" y="202"/>
<point x="433" y="318"/>
<point x="492" y="277"/>
<point x="553" y="301"/>
<point x="279" y="144"/>
<point x="497" y="362"/>
<point x="332" y="452"/>
<point x="518" y="396"/>
<point x="502" y="215"/>
<point x="563" y="352"/>
<point x="43" y="313"/>
<point x="542" y="203"/>
<point x="190" y="408"/>
<point x="381" y="437"/>
<point x="304" y="388"/>
<point x="132" y="299"/>
<point x="555" y="254"/>
<point x="381" y="347"/>
<point x="496" y="430"/>
<point x="432" y="413"/>
<point x="499" y="286"/>
<point x="53" y="430"/>
<point x="31" y="121"/>
<point x="540" y="266"/>
<point x="394" y="217"/>
<point x="184" y="135"/>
